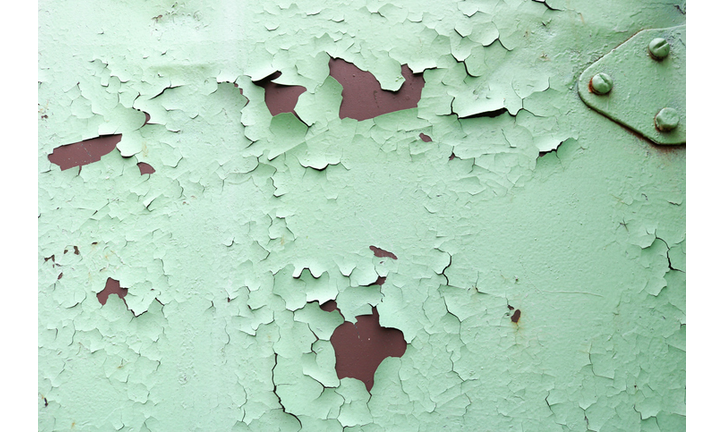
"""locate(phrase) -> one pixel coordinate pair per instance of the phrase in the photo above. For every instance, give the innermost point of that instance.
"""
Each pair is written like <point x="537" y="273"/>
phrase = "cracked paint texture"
<point x="531" y="251"/>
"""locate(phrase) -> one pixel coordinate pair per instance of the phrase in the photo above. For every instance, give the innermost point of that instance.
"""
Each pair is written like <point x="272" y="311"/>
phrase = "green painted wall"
<point x="250" y="221"/>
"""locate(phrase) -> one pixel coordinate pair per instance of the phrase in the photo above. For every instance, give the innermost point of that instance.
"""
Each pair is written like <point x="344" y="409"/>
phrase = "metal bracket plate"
<point x="639" y="85"/>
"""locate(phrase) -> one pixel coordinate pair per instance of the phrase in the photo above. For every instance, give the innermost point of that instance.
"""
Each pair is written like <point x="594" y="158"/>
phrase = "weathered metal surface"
<point x="647" y="75"/>
<point x="354" y="216"/>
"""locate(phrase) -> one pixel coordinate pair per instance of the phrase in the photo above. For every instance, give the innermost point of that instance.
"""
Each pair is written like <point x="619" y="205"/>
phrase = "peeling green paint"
<point x="520" y="199"/>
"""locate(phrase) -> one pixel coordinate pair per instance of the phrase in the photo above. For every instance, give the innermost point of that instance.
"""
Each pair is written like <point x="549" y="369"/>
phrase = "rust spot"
<point x="668" y="148"/>
<point x="76" y="250"/>
<point x="279" y="98"/>
<point x="360" y="348"/>
<point x="52" y="257"/>
<point x="381" y="253"/>
<point x="662" y="148"/>
<point x="452" y="156"/>
<point x="145" y="168"/>
<point x="60" y="275"/>
<point x="516" y="316"/>
<point x="425" y="137"/>
<point x="363" y="97"/>
<point x="510" y="307"/>
<point x="83" y="152"/>
<point x="112" y="287"/>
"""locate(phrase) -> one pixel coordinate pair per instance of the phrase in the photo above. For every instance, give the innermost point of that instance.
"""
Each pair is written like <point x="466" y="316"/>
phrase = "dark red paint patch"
<point x="241" y="90"/>
<point x="425" y="137"/>
<point x="379" y="281"/>
<point x="145" y="168"/>
<point x="381" y="253"/>
<point x="83" y="152"/>
<point x="363" y="97"/>
<point x="112" y="287"/>
<point x="147" y="115"/>
<point x="360" y="348"/>
<point x="279" y="98"/>
<point x="329" y="306"/>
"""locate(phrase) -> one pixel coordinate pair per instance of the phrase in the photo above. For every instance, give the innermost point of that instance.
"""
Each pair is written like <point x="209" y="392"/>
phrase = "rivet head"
<point x="659" y="48"/>
<point x="601" y="83"/>
<point x="666" y="120"/>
